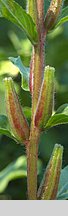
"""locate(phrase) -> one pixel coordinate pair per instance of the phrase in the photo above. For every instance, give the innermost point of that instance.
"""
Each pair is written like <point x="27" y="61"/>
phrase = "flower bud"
<point x="52" y="14"/>
<point x="49" y="186"/>
<point x="17" y="120"/>
<point x="46" y="98"/>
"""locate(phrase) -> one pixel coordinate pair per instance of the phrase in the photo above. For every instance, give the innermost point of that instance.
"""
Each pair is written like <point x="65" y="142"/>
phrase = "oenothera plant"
<point x="40" y="80"/>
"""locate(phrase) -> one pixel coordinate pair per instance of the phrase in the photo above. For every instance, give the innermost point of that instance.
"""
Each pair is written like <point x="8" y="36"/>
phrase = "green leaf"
<point x="63" y="17"/>
<point x="4" y="127"/>
<point x="27" y="112"/>
<point x="63" y="185"/>
<point x="60" y="117"/>
<point x="23" y="70"/>
<point x="6" y="132"/>
<point x="3" y="121"/>
<point x="63" y="109"/>
<point x="46" y="5"/>
<point x="16" y="169"/>
<point x="16" y="14"/>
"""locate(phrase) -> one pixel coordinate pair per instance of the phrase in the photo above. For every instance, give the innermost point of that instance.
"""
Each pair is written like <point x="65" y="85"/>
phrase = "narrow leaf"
<point x="17" y="169"/>
<point x="16" y="14"/>
<point x="63" y="109"/>
<point x="60" y="117"/>
<point x="57" y="119"/>
<point x="4" y="127"/>
<point x="7" y="133"/>
<point x="63" y="185"/>
<point x="3" y="121"/>
<point x="24" y="71"/>
<point x="63" y="18"/>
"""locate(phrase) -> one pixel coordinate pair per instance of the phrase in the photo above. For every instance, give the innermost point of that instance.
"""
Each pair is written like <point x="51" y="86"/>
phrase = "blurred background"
<point x="13" y="42"/>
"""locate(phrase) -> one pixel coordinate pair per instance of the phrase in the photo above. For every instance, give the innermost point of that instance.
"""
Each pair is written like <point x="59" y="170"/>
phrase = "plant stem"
<point x="32" y="148"/>
<point x="32" y="153"/>
<point x="40" y="6"/>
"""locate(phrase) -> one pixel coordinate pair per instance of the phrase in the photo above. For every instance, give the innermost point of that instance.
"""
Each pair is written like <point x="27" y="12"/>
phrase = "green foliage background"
<point x="13" y="42"/>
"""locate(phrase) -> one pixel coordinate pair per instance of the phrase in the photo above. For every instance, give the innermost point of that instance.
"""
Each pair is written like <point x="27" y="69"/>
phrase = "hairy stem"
<point x="40" y="5"/>
<point x="32" y="151"/>
<point x="38" y="70"/>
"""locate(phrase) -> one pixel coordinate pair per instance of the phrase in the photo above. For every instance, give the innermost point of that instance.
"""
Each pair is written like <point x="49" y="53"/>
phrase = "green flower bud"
<point x="46" y="99"/>
<point x="52" y="14"/>
<point x="49" y="186"/>
<point x="17" y="120"/>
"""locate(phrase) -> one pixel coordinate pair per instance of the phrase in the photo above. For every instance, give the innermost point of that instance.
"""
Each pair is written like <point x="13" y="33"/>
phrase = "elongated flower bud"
<point x="45" y="102"/>
<point x="15" y="115"/>
<point x="49" y="186"/>
<point x="52" y="14"/>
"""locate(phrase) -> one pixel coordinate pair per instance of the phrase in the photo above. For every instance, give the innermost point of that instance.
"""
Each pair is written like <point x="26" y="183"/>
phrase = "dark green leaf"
<point x="63" y="185"/>
<point x="46" y="5"/>
<point x="4" y="127"/>
<point x="27" y="112"/>
<point x="60" y="117"/>
<point x="23" y="70"/>
<point x="63" y="109"/>
<point x="6" y="132"/>
<point x="3" y="121"/>
<point x="17" y="169"/>
<point x="16" y="14"/>
<point x="63" y="17"/>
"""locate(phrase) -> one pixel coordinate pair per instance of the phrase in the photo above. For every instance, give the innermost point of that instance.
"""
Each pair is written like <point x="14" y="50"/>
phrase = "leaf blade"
<point x="63" y="185"/>
<point x="16" y="14"/>
<point x="60" y="117"/>
<point x="57" y="119"/>
<point x="4" y="127"/>
<point x="63" y="17"/>
<point x="24" y="71"/>
<point x="16" y="169"/>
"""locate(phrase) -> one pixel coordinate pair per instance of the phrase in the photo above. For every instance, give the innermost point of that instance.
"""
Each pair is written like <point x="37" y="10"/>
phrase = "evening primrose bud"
<point x="49" y="186"/>
<point x="46" y="99"/>
<point x="52" y="14"/>
<point x="17" y="120"/>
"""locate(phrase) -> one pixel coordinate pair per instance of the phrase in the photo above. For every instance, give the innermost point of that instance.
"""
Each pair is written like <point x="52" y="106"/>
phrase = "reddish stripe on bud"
<point x="15" y="115"/>
<point x="46" y="97"/>
<point x="49" y="186"/>
<point x="52" y="14"/>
